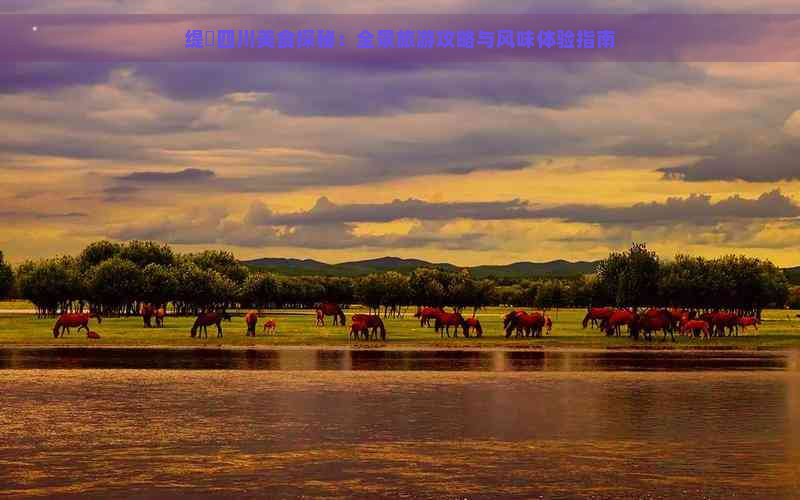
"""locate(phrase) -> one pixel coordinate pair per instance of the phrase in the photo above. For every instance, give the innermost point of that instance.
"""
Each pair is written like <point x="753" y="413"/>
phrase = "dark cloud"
<point x="697" y="209"/>
<point x="187" y="175"/>
<point x="771" y="164"/>
<point x="16" y="215"/>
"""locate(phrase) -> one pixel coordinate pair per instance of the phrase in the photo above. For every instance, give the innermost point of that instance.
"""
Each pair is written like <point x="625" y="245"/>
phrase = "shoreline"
<point x="407" y="348"/>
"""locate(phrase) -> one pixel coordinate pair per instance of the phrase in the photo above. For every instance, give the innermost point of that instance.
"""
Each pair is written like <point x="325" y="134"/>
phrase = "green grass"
<point x="780" y="330"/>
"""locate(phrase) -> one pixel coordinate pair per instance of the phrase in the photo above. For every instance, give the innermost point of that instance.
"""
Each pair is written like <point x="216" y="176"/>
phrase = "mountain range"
<point x="305" y="267"/>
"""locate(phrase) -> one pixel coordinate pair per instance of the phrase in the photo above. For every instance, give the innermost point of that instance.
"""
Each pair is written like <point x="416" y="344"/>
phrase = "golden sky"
<point x="470" y="164"/>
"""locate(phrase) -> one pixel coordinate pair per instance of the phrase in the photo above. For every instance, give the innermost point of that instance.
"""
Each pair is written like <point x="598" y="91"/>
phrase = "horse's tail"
<point x="342" y="317"/>
<point x="56" y="327"/>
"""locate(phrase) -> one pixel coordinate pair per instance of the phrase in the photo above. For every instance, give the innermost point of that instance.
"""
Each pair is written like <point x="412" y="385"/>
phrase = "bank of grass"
<point x="780" y="330"/>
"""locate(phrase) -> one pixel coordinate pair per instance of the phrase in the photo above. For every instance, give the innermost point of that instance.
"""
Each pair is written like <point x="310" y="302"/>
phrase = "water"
<point x="378" y="424"/>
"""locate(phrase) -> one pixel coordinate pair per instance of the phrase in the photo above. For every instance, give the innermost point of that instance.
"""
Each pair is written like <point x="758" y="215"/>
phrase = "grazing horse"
<point x="161" y="313"/>
<point x="548" y="324"/>
<point x="205" y="319"/>
<point x="330" y="309"/>
<point x="251" y="319"/>
<point x="147" y="311"/>
<point x="619" y="318"/>
<point x="445" y="320"/>
<point x="654" y="320"/>
<point x="720" y="320"/>
<point x="357" y="329"/>
<point x="67" y="320"/>
<point x="532" y="324"/>
<point x="474" y="324"/>
<point x="746" y="321"/>
<point x="595" y="314"/>
<point x="371" y="321"/>
<point x="271" y="327"/>
<point x="426" y="314"/>
<point x="695" y="326"/>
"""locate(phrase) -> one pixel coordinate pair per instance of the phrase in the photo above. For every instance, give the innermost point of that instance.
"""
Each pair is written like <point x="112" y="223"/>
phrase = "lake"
<point x="141" y="423"/>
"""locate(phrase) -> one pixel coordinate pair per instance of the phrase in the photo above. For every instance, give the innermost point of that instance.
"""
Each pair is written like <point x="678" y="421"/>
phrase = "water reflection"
<point x="406" y="360"/>
<point x="414" y="434"/>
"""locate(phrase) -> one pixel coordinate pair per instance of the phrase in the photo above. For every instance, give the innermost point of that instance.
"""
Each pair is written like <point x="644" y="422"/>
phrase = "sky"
<point x="479" y="163"/>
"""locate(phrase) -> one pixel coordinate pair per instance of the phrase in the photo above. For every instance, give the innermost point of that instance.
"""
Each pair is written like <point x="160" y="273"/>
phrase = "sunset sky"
<point x="480" y="163"/>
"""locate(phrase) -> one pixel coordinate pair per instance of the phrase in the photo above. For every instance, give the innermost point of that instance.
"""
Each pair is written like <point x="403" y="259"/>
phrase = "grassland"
<point x="779" y="330"/>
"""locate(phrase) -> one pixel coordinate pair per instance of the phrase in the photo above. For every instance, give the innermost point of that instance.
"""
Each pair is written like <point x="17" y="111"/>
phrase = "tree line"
<point x="115" y="278"/>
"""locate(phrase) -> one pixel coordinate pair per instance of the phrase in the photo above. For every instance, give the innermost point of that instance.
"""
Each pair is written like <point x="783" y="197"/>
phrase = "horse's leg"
<point x="219" y="329"/>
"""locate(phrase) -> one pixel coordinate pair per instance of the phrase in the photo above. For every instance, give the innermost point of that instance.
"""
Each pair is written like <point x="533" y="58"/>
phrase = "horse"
<point x="271" y="327"/>
<point x="510" y="316"/>
<point x="720" y="320"/>
<point x="656" y="319"/>
<point x="595" y="314"/>
<point x="445" y="320"/>
<point x="695" y="326"/>
<point x="548" y="324"/>
<point x="251" y="319"/>
<point x="209" y="318"/>
<point x="161" y="313"/>
<point x="619" y="318"/>
<point x="371" y="321"/>
<point x="81" y="320"/>
<point x="746" y="321"/>
<point x="330" y="309"/>
<point x="425" y="315"/>
<point x="147" y="311"/>
<point x="473" y="323"/>
<point x="531" y="324"/>
<point x="358" y="328"/>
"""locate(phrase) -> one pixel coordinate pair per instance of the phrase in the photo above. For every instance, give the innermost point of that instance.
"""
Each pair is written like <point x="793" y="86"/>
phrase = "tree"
<point x="630" y="278"/>
<point x="115" y="284"/>
<point x="6" y="277"/>
<point x="222" y="262"/>
<point x="97" y="252"/>
<point x="51" y="284"/>
<point x="259" y="290"/>
<point x="143" y="253"/>
<point x="159" y="284"/>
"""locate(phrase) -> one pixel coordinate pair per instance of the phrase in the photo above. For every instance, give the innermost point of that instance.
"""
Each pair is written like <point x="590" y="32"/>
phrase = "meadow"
<point x="780" y="330"/>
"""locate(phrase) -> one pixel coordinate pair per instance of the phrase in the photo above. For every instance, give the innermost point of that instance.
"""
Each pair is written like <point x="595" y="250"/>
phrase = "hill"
<point x="298" y="267"/>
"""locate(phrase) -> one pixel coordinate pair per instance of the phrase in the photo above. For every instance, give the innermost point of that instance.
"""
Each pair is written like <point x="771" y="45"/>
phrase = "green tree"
<point x="6" y="277"/>
<point x="115" y="284"/>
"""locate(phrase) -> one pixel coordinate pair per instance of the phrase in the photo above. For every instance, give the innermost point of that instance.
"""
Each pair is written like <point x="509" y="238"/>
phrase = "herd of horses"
<point x="668" y="321"/>
<point x="517" y="322"/>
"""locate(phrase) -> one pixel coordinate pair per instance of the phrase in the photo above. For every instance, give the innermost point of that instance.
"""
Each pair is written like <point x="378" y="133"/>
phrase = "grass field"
<point x="779" y="330"/>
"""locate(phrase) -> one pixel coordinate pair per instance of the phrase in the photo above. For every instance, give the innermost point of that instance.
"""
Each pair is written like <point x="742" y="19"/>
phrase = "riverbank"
<point x="780" y="330"/>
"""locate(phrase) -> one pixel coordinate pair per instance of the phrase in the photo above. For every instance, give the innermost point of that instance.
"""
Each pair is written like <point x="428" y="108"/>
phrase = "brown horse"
<point x="445" y="320"/>
<point x="656" y="319"/>
<point x="532" y="324"/>
<point x="426" y="314"/>
<point x="718" y="321"/>
<point x="357" y="329"/>
<point x="205" y="319"/>
<point x="695" y="326"/>
<point x="251" y="320"/>
<point x="473" y="323"/>
<point x="67" y="320"/>
<point x="746" y="321"/>
<point x="371" y="321"/>
<point x="620" y="318"/>
<point x="147" y="311"/>
<point x="330" y="309"/>
<point x="270" y="327"/>
<point x="161" y="313"/>
<point x="597" y="314"/>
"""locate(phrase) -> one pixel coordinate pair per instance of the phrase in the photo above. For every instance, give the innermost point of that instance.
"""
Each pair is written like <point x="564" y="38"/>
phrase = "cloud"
<point x="697" y="209"/>
<point x="767" y="164"/>
<point x="187" y="175"/>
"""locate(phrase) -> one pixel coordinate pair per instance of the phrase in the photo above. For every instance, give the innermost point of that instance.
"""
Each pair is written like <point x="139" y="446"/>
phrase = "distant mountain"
<point x="792" y="274"/>
<point x="298" y="267"/>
